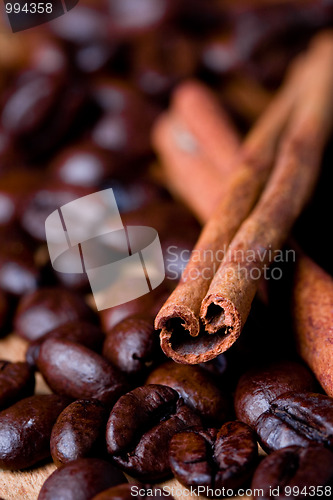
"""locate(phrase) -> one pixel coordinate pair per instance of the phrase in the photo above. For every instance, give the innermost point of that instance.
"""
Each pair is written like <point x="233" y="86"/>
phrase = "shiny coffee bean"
<point x="257" y="388"/>
<point x="74" y="370"/>
<point x="217" y="366"/>
<point x="214" y="459"/>
<point x="19" y="273"/>
<point x="80" y="480"/>
<point x="79" y="432"/>
<point x="287" y="472"/>
<point x="17" y="381"/>
<point x="45" y="200"/>
<point x="81" y="165"/>
<point x="79" y="332"/>
<point x="140" y="427"/>
<point x="197" y="388"/>
<point x="132" y="345"/>
<point x="25" y="430"/>
<point x="296" y="419"/>
<point x="121" y="492"/>
<point x="47" y="308"/>
<point x="148" y="304"/>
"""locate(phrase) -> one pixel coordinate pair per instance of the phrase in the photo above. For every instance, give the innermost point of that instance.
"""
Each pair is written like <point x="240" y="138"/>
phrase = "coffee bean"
<point x="25" y="430"/>
<point x="197" y="388"/>
<point x="217" y="366"/>
<point x="297" y="419"/>
<point x="135" y="194"/>
<point x="132" y="345"/>
<point x="74" y="370"/>
<point x="45" y="309"/>
<point x="214" y="459"/>
<point x="79" y="332"/>
<point x="257" y="388"/>
<point x="140" y="427"/>
<point x="80" y="480"/>
<point x="121" y="492"/>
<point x="17" y="381"/>
<point x="287" y="472"/>
<point x="78" y="432"/>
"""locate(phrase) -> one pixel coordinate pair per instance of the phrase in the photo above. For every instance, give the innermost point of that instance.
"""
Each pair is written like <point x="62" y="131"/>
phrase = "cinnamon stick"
<point x="181" y="335"/>
<point x="313" y="319"/>
<point x="227" y="304"/>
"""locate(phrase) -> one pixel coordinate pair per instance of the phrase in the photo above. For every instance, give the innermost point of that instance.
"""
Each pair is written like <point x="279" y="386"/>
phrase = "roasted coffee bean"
<point x="197" y="388"/>
<point x="294" y="472"/>
<point x="45" y="309"/>
<point x="297" y="419"/>
<point x="45" y="200"/>
<point x="127" y="491"/>
<point x="224" y="458"/>
<point x="79" y="332"/>
<point x="136" y="194"/>
<point x="140" y="427"/>
<point x="81" y="165"/>
<point x="19" y="273"/>
<point x="25" y="430"/>
<point x="80" y="480"/>
<point x="79" y="432"/>
<point x="148" y="304"/>
<point x="258" y="387"/>
<point x="217" y="366"/>
<point x="74" y="370"/>
<point x="17" y="381"/>
<point x="132" y="345"/>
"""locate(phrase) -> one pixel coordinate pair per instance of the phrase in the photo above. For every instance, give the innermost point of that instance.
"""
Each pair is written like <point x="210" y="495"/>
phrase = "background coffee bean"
<point x="197" y="388"/>
<point x="79" y="332"/>
<point x="121" y="492"/>
<point x="25" y="430"/>
<point x="259" y="386"/>
<point x="79" y="432"/>
<point x="133" y="345"/>
<point x="74" y="370"/>
<point x="80" y="480"/>
<point x="140" y="427"/>
<point x="17" y="381"/>
<point x="297" y="419"/>
<point x="45" y="309"/>
<point x="214" y="459"/>
<point x="292" y="470"/>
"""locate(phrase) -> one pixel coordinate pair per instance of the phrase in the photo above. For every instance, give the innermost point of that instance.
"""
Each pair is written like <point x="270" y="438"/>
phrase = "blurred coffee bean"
<point x="197" y="388"/>
<point x="43" y="201"/>
<point x="19" y="273"/>
<point x="298" y="419"/>
<point x="288" y="472"/>
<point x="73" y="370"/>
<point x="4" y="310"/>
<point x="113" y="95"/>
<point x="15" y="185"/>
<point x="79" y="432"/>
<point x="17" y="381"/>
<point x="257" y="388"/>
<point x="136" y="193"/>
<point x="94" y="56"/>
<point x="9" y="156"/>
<point x="48" y="57"/>
<point x="25" y="430"/>
<point x="148" y="304"/>
<point x="81" y="165"/>
<point x="140" y="427"/>
<point x="79" y="332"/>
<point x="214" y="459"/>
<point x="47" y="308"/>
<point x="161" y="61"/>
<point x="128" y="18"/>
<point x="221" y="54"/>
<point x="80" y="480"/>
<point x="133" y="345"/>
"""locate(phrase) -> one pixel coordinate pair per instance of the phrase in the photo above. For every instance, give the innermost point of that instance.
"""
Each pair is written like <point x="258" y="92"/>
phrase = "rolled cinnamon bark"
<point x="226" y="306"/>
<point x="181" y="336"/>
<point x="313" y="319"/>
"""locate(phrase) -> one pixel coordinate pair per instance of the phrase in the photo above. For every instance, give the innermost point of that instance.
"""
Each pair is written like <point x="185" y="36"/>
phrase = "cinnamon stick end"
<point x="219" y="314"/>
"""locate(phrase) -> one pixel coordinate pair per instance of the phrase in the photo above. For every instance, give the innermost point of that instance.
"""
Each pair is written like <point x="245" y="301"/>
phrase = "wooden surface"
<point x="26" y="485"/>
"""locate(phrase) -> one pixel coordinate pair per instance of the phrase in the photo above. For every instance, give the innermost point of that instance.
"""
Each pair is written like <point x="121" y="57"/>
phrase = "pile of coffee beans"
<point x="78" y="98"/>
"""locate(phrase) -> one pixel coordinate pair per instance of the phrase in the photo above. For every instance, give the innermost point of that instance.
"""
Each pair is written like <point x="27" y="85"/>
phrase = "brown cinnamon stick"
<point x="227" y="303"/>
<point x="178" y="319"/>
<point x="313" y="319"/>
